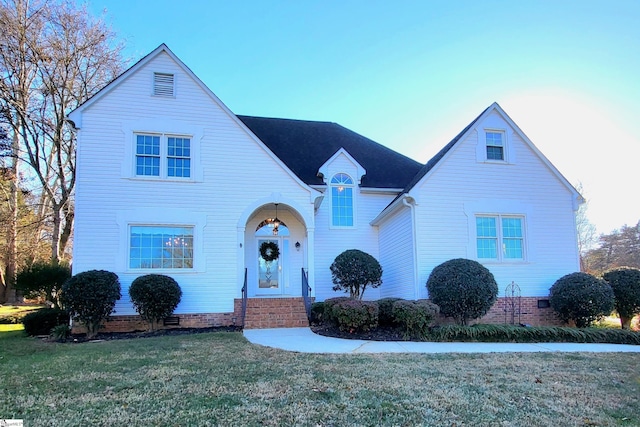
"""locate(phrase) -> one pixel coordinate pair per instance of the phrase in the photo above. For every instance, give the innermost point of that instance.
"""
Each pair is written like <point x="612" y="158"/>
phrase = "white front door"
<point x="271" y="259"/>
<point x="272" y="273"/>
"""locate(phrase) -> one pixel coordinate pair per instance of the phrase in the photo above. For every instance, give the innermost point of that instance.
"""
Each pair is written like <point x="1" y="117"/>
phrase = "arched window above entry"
<point x="266" y="227"/>
<point x="342" y="200"/>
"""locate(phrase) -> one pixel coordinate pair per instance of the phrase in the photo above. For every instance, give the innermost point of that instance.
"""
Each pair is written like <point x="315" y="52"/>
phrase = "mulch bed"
<point x="378" y="334"/>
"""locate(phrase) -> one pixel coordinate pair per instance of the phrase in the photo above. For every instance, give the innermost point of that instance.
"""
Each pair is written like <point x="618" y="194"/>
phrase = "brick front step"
<point x="275" y="313"/>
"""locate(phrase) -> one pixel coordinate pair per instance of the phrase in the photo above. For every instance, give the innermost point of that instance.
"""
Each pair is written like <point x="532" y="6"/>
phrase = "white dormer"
<point x="342" y="162"/>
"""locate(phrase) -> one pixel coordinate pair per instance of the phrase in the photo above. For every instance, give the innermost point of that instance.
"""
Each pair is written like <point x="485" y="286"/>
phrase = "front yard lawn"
<point x="221" y="379"/>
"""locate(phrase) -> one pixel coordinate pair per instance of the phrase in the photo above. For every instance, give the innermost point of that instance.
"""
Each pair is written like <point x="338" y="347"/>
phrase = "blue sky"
<point x="412" y="74"/>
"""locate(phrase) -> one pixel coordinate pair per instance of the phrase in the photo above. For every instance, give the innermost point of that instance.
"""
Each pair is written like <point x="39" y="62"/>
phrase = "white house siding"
<point x="331" y="242"/>
<point x="460" y="187"/>
<point x="231" y="170"/>
<point x="397" y="255"/>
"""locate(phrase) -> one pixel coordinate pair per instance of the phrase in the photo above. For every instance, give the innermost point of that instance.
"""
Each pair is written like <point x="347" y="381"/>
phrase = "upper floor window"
<point x="163" y="156"/>
<point x="342" y="200"/>
<point x="500" y="237"/>
<point x="160" y="247"/>
<point x="495" y="145"/>
<point x="163" y="84"/>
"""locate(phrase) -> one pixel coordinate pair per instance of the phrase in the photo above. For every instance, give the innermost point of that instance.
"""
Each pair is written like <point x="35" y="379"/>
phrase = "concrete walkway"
<point x="303" y="340"/>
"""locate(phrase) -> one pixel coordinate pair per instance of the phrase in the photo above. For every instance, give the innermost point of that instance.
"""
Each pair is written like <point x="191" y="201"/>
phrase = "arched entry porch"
<point x="276" y="243"/>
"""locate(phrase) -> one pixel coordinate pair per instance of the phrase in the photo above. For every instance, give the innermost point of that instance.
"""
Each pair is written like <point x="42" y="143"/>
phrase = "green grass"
<point x="221" y="379"/>
<point x="11" y="327"/>
<point x="13" y="309"/>
<point x="14" y="313"/>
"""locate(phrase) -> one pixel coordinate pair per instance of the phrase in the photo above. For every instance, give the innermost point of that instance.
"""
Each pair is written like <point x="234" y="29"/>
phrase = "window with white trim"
<point x="500" y="237"/>
<point x="342" y="200"/>
<point x="160" y="247"/>
<point x="163" y="156"/>
<point x="495" y="145"/>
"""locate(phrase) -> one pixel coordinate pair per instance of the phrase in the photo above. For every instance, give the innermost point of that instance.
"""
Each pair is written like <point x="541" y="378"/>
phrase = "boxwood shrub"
<point x="415" y="317"/>
<point x="317" y="312"/>
<point x="90" y="297"/>
<point x="463" y="289"/>
<point x="385" y="311"/>
<point x="155" y="296"/>
<point x="328" y="308"/>
<point x="353" y="270"/>
<point x="41" y="322"/>
<point x="355" y="315"/>
<point x="582" y="298"/>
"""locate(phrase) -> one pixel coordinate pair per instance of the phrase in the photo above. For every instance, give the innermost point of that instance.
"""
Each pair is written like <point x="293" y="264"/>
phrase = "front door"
<point x="272" y="253"/>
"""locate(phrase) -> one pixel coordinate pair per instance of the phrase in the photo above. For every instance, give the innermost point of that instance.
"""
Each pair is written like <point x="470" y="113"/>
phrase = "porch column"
<point x="240" y="251"/>
<point x="311" y="256"/>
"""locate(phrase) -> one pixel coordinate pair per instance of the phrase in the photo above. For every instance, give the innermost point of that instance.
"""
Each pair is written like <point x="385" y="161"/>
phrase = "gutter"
<point x="410" y="202"/>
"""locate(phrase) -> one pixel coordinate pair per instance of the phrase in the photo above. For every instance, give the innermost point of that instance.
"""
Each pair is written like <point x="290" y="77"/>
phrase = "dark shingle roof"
<point x="304" y="146"/>
<point x="440" y="154"/>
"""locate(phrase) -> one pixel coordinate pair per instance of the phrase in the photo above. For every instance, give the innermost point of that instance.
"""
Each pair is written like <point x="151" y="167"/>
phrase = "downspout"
<point x="411" y="205"/>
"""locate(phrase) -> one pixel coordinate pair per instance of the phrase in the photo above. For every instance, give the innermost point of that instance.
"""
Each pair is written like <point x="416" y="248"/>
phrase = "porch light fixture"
<point x="276" y="222"/>
<point x="298" y="246"/>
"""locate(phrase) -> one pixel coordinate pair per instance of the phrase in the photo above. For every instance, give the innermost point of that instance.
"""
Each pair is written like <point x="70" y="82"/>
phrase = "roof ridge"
<point x="287" y="119"/>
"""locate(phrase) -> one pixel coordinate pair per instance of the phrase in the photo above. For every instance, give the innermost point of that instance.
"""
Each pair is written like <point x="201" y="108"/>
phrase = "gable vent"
<point x="162" y="84"/>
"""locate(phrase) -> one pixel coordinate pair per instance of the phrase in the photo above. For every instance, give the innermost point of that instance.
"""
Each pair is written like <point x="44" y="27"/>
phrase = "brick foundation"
<point x="530" y="314"/>
<point x="290" y="313"/>
<point x="135" y="323"/>
<point x="261" y="313"/>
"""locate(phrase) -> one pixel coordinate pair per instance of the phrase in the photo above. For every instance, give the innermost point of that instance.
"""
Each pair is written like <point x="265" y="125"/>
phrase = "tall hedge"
<point x="90" y="297"/>
<point x="43" y="280"/>
<point x="581" y="298"/>
<point x="463" y="289"/>
<point x="625" y="283"/>
<point x="155" y="296"/>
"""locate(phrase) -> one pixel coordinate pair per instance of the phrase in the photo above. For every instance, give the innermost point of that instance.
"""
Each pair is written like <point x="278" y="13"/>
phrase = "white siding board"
<point x="397" y="256"/>
<point x="445" y="229"/>
<point x="330" y="242"/>
<point x="235" y="171"/>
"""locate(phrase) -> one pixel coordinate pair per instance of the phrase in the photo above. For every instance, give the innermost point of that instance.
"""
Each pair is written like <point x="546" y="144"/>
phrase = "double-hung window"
<point x="342" y="200"/>
<point x="163" y="156"/>
<point x="500" y="237"/>
<point x="160" y="247"/>
<point x="495" y="145"/>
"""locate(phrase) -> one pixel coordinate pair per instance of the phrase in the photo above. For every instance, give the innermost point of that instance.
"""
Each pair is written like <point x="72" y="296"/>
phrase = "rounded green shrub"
<point x="463" y="289"/>
<point x="582" y="298"/>
<point x="415" y="317"/>
<point x="355" y="315"/>
<point x="385" y="311"/>
<point x="353" y="270"/>
<point x="90" y="297"/>
<point x="43" y="280"/>
<point x="41" y="322"/>
<point x="625" y="282"/>
<point x="155" y="296"/>
<point x="329" y="303"/>
<point x="317" y="312"/>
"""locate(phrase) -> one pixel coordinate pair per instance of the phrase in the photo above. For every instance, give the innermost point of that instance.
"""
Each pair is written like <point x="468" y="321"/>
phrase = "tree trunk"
<point x="625" y="322"/>
<point x="55" y="233"/>
<point x="11" y="257"/>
